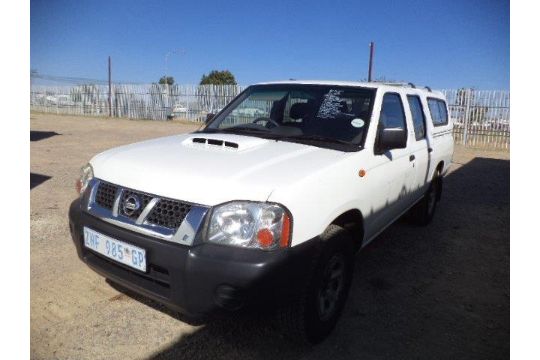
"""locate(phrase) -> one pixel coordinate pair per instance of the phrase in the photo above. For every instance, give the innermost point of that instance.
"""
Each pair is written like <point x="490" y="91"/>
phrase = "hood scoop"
<point x="215" y="142"/>
<point x="223" y="142"/>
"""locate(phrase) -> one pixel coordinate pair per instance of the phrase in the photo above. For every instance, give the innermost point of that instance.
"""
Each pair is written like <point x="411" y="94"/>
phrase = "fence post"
<point x="467" y="114"/>
<point x="110" y="100"/>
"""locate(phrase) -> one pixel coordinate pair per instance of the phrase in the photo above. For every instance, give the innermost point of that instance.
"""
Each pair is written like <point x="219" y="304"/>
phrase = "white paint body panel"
<point x="315" y="184"/>
<point x="177" y="168"/>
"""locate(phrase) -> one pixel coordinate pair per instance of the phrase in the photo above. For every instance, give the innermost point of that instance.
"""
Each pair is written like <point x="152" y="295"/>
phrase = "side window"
<point x="437" y="109"/>
<point x="417" y="116"/>
<point x="392" y="115"/>
<point x="443" y="112"/>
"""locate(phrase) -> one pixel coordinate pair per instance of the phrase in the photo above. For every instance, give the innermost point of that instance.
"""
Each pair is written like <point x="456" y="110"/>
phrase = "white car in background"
<point x="178" y="110"/>
<point x="249" y="112"/>
<point x="59" y="100"/>
<point x="265" y="214"/>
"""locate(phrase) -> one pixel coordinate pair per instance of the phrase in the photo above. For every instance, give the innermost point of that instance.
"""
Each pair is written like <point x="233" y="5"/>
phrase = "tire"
<point x="313" y="314"/>
<point x="423" y="212"/>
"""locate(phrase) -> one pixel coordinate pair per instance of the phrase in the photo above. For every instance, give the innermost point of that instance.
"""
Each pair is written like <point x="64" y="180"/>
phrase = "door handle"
<point x="412" y="158"/>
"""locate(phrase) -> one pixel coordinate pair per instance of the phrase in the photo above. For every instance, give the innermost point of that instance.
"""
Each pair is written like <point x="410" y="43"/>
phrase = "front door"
<point x="393" y="173"/>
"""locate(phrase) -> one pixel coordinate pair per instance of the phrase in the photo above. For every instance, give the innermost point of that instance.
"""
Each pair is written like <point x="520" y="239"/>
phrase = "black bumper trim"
<point x="202" y="278"/>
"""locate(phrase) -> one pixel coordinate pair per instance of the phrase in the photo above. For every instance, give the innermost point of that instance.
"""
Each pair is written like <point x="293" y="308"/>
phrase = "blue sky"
<point x="444" y="44"/>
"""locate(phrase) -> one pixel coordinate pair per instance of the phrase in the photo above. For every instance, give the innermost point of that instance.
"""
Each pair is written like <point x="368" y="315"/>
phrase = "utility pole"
<point x="371" y="51"/>
<point x="468" y="94"/>
<point x="110" y="102"/>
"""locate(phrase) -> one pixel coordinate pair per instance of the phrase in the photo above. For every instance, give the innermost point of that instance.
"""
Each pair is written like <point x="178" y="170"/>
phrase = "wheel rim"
<point x="331" y="287"/>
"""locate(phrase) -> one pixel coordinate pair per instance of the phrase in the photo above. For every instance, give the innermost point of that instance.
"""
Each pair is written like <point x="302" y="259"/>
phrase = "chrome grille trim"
<point x="116" y="204"/>
<point x="146" y="211"/>
<point x="184" y="234"/>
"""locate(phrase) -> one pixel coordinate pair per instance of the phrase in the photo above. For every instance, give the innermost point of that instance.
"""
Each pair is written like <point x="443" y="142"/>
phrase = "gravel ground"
<point x="439" y="292"/>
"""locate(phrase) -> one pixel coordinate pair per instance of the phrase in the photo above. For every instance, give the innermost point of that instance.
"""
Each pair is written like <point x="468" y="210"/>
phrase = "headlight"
<point x="87" y="174"/>
<point x="250" y="225"/>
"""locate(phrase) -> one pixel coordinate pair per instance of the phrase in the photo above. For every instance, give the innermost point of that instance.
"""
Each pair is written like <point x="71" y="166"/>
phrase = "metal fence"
<point x="481" y="118"/>
<point x="152" y="101"/>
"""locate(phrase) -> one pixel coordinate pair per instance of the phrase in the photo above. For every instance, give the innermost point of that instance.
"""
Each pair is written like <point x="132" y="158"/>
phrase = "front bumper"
<point x="199" y="279"/>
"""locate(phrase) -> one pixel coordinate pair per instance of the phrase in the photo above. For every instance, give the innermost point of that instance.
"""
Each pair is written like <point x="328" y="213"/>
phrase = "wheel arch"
<point x="439" y="170"/>
<point x="353" y="221"/>
<point x="440" y="167"/>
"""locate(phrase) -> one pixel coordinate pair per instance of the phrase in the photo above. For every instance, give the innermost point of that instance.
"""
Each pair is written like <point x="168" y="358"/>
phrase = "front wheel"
<point x="314" y="313"/>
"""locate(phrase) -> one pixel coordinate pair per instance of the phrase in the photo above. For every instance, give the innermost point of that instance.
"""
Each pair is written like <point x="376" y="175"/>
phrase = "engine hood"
<point x="209" y="169"/>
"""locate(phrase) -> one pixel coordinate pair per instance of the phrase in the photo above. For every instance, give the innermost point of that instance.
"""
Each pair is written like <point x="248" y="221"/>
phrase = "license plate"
<point x="116" y="250"/>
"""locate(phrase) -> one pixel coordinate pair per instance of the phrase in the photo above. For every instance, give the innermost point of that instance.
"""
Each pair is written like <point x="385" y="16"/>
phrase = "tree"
<point x="216" y="77"/>
<point x="169" y="80"/>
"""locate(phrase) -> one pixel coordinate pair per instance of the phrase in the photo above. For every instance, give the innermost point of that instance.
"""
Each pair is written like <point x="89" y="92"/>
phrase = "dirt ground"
<point x="439" y="292"/>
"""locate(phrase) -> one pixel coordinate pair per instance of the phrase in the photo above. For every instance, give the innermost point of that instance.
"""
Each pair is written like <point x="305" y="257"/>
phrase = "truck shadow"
<point x="37" y="179"/>
<point x="41" y="135"/>
<point x="435" y="292"/>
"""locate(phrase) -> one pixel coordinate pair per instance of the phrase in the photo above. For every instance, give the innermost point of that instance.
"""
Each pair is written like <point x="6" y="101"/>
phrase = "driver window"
<point x="392" y="114"/>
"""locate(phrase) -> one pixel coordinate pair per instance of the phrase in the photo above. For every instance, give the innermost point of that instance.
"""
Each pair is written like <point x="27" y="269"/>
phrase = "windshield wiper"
<point x="319" y="138"/>
<point x="244" y="129"/>
<point x="233" y="130"/>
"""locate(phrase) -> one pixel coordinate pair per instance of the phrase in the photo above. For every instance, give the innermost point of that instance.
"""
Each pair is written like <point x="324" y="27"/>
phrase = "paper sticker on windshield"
<point x="331" y="105"/>
<point x="357" y="123"/>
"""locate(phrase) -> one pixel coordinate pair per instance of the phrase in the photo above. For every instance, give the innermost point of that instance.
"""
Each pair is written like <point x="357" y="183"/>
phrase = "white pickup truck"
<point x="265" y="210"/>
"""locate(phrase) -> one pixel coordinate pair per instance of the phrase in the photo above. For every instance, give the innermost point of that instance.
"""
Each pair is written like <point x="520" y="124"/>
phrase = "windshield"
<point x="331" y="116"/>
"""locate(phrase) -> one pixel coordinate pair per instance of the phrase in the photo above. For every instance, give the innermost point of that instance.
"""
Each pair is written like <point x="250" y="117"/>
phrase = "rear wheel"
<point x="313" y="314"/>
<point x="423" y="212"/>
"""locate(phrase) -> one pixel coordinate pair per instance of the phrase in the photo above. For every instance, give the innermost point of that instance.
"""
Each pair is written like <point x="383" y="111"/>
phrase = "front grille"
<point x="105" y="195"/>
<point x="144" y="199"/>
<point x="168" y="213"/>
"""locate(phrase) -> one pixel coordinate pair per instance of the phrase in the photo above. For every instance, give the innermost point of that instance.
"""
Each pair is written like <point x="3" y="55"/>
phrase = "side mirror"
<point x="392" y="138"/>
<point x="209" y="118"/>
